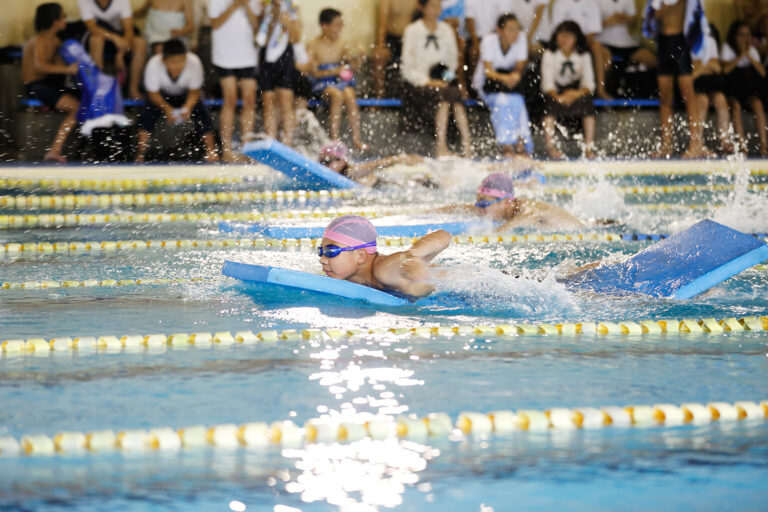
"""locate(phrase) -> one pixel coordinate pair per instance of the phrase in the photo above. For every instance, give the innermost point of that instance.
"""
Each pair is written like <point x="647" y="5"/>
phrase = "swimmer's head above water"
<point x="335" y="156"/>
<point x="495" y="195"/>
<point x="348" y="243"/>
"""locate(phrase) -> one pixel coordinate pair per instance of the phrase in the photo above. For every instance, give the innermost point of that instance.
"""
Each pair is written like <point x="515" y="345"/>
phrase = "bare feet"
<point x="362" y="146"/>
<point x="139" y="159"/>
<point x="54" y="157"/>
<point x="603" y="94"/>
<point x="694" y="153"/>
<point x="555" y="154"/>
<point x="211" y="157"/>
<point x="589" y="153"/>
<point x="231" y="157"/>
<point x="661" y="153"/>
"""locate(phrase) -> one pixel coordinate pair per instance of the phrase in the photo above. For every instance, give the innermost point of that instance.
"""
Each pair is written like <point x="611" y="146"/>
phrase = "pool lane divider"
<point x="96" y="283"/>
<point x="39" y="346"/>
<point x="468" y="425"/>
<point x="118" y="185"/>
<point x="77" y="201"/>
<point x="653" y="189"/>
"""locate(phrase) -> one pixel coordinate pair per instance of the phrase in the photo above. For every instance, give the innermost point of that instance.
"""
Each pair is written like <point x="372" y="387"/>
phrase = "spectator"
<point x="45" y="74"/>
<point x="618" y="16"/>
<point x="394" y="16"/>
<point x="533" y="16"/>
<point x="744" y="74"/>
<point x="277" y="68"/>
<point x="430" y="59"/>
<point x="709" y="84"/>
<point x="453" y="13"/>
<point x="110" y="29"/>
<point x="234" y="23"/>
<point x="333" y="78"/>
<point x="166" y="20"/>
<point x="503" y="57"/>
<point x="586" y="14"/>
<point x="173" y="82"/>
<point x="481" y="21"/>
<point x="568" y="84"/>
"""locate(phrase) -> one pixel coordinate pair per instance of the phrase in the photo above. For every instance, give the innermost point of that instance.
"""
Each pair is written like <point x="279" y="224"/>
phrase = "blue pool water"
<point x="700" y="467"/>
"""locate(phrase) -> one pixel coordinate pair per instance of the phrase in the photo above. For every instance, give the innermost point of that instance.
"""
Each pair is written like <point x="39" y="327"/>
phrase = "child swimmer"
<point x="348" y="251"/>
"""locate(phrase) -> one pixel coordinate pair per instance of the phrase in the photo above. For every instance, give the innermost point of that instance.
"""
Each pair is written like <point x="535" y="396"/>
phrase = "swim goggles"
<point x="486" y="204"/>
<point x="331" y="251"/>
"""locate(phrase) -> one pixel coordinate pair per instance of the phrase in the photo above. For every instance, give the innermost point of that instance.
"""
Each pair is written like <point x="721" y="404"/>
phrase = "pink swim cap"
<point x="336" y="149"/>
<point x="497" y="185"/>
<point x="352" y="230"/>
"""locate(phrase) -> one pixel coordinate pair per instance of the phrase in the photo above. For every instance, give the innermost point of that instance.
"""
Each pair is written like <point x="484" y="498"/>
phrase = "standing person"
<point x="568" y="84"/>
<point x="453" y="13"/>
<point x="166" y="20"/>
<point x="394" y="16"/>
<point x="744" y="74"/>
<point x="45" y="74"/>
<point x="277" y="73"/>
<point x="709" y="84"/>
<point x="235" y="58"/>
<point x="618" y="16"/>
<point x="533" y="16"/>
<point x="173" y="81"/>
<point x="679" y="27"/>
<point x="333" y="77"/>
<point x="481" y="17"/>
<point x="586" y="14"/>
<point x="498" y="77"/>
<point x="430" y="59"/>
<point x="110" y="28"/>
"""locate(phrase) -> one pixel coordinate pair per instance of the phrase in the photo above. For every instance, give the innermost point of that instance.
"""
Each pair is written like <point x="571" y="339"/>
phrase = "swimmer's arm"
<point x="363" y="169"/>
<point x="429" y="246"/>
<point x="407" y="271"/>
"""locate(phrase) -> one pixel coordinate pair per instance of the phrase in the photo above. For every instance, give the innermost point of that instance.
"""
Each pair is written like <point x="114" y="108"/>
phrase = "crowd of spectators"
<point x="532" y="63"/>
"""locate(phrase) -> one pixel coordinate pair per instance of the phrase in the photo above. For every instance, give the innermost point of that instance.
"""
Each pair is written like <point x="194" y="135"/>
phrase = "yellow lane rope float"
<point x="96" y="283"/>
<point x="80" y="201"/>
<point x="160" y="342"/>
<point x="116" y="185"/>
<point x="654" y="189"/>
<point x="435" y="425"/>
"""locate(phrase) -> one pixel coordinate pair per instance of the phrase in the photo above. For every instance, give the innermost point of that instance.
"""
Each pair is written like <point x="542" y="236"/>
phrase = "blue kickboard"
<point x="680" y="267"/>
<point x="281" y="232"/>
<point x="295" y="165"/>
<point x="309" y="282"/>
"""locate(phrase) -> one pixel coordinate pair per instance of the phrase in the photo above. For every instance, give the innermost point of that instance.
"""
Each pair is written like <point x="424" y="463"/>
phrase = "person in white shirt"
<point x="428" y="66"/>
<point x="110" y="27"/>
<point x="498" y="77"/>
<point x="744" y="75"/>
<point x="166" y="20"/>
<point x="234" y="55"/>
<point x="568" y="84"/>
<point x="173" y="81"/>
<point x="481" y="17"/>
<point x="586" y="14"/>
<point x="709" y="84"/>
<point x="617" y="18"/>
<point x="533" y="16"/>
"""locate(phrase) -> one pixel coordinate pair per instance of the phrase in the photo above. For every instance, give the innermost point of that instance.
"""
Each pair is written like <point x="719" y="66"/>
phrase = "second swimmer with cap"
<point x="348" y="251"/>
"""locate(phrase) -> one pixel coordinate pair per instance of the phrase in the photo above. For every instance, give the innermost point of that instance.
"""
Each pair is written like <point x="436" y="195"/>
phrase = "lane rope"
<point x="468" y="426"/>
<point x="159" y="343"/>
<point x="117" y="185"/>
<point x="73" y="202"/>
<point x="653" y="189"/>
<point x="663" y="171"/>
<point x="94" y="283"/>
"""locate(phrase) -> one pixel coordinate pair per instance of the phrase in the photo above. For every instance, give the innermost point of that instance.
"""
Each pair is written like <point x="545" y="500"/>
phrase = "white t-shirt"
<point x="727" y="55"/>
<point x="486" y="14"/>
<point x="490" y="51"/>
<point x="710" y="51"/>
<point x="557" y="69"/>
<point x="113" y="15"/>
<point x="233" y="46"/>
<point x="617" y="35"/>
<point x="524" y="10"/>
<point x="279" y="40"/>
<point x="421" y="52"/>
<point x="585" y="13"/>
<point x="157" y="79"/>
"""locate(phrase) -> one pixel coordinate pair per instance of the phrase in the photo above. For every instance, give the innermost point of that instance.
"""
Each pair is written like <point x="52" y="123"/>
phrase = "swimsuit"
<point x="321" y="84"/>
<point x="674" y="55"/>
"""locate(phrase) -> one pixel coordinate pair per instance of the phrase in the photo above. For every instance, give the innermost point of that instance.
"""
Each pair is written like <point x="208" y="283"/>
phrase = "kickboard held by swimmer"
<point x="680" y="267"/>
<point x="295" y="165"/>
<point x="260" y="274"/>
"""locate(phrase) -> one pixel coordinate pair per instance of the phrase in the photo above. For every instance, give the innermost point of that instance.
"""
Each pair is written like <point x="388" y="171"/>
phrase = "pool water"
<point x="389" y="372"/>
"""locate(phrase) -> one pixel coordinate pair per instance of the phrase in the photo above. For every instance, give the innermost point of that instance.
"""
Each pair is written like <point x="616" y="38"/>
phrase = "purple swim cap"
<point x="336" y="149"/>
<point x="352" y="230"/>
<point x="497" y="185"/>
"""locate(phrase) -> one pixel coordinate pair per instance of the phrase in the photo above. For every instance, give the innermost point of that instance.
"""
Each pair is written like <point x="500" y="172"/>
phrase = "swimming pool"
<point x="148" y="335"/>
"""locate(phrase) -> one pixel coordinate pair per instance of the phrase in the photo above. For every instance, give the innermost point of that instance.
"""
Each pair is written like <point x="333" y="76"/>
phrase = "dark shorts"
<point x="395" y="45"/>
<point x="239" y="73"/>
<point x="624" y="54"/>
<point x="279" y="74"/>
<point x="583" y="107"/>
<point x="200" y="115"/>
<point x="743" y="84"/>
<point x="109" y="47"/>
<point x="706" y="84"/>
<point x="50" y="91"/>
<point x="302" y="86"/>
<point x="674" y="56"/>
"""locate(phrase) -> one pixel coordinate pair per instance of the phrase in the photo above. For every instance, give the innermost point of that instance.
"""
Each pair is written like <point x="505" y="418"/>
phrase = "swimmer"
<point x="348" y="252"/>
<point x="335" y="156"/>
<point x="496" y="200"/>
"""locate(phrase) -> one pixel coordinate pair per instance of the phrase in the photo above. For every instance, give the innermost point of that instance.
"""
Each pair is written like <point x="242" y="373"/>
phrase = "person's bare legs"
<point x="211" y="155"/>
<point x="549" y="138"/>
<point x="141" y="147"/>
<point x="757" y="108"/>
<point x="285" y="102"/>
<point x="441" y="129"/>
<point x="381" y="57"/>
<point x="227" y="116"/>
<point x="335" y="99"/>
<point x="738" y="124"/>
<point x="702" y="101"/>
<point x="270" y="117"/>
<point x="96" y="49"/>
<point x="353" y="113"/>
<point x="462" y="122"/>
<point x="666" y="97"/>
<point x="696" y="147"/>
<point x="645" y="57"/>
<point x="602" y="59"/>
<point x="589" y="136"/>
<point x="720" y="103"/>
<point x="69" y="105"/>
<point x="248" y="113"/>
<point x="138" y="59"/>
